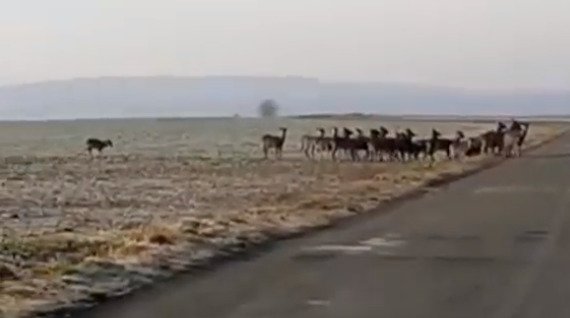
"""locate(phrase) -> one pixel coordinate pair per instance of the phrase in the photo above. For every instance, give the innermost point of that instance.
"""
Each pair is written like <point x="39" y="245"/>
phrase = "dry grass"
<point x="75" y="229"/>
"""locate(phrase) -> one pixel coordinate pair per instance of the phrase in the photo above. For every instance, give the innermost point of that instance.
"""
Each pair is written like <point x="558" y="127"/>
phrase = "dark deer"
<point x="475" y="146"/>
<point x="274" y="142"/>
<point x="404" y="144"/>
<point x="343" y="143"/>
<point x="493" y="139"/>
<point x="410" y="147"/>
<point x="439" y="144"/>
<point x="381" y="144"/>
<point x="361" y="143"/>
<point x="99" y="145"/>
<point x="420" y="147"/>
<point x="387" y="145"/>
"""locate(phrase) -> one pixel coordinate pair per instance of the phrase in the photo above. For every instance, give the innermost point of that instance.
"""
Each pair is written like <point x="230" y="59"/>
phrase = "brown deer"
<point x="274" y="142"/>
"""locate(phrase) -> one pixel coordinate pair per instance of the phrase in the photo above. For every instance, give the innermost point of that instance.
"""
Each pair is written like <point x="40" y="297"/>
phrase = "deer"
<point x="344" y="143"/>
<point x="475" y="146"/>
<point x="410" y="147"/>
<point x="381" y="144"/>
<point x="460" y="146"/>
<point x="514" y="138"/>
<point x="420" y="146"/>
<point x="439" y="144"/>
<point x="324" y="144"/>
<point x="321" y="143"/>
<point x="375" y="144"/>
<point x="493" y="139"/>
<point x="309" y="143"/>
<point x="99" y="145"/>
<point x="274" y="142"/>
<point x="526" y="126"/>
<point x="361" y="142"/>
<point x="404" y="145"/>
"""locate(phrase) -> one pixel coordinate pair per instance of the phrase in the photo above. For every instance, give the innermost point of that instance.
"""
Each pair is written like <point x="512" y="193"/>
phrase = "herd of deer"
<point x="403" y="146"/>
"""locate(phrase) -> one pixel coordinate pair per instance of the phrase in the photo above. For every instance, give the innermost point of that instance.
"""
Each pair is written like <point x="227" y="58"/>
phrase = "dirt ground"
<point x="77" y="230"/>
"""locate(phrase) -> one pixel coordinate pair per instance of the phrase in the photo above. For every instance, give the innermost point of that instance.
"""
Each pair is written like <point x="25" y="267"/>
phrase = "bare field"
<point x="171" y="194"/>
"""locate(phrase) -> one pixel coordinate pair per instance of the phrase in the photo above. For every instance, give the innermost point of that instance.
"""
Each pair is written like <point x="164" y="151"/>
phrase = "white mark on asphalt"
<point x="382" y="242"/>
<point x="513" y="189"/>
<point x="318" y="302"/>
<point x="393" y="236"/>
<point x="339" y="248"/>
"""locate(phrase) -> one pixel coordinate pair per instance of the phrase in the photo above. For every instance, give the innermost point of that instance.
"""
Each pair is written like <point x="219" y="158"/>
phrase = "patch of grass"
<point x="155" y="234"/>
<point x="59" y="247"/>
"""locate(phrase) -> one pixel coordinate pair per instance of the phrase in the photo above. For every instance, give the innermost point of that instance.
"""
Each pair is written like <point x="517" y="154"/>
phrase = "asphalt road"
<point x="496" y="244"/>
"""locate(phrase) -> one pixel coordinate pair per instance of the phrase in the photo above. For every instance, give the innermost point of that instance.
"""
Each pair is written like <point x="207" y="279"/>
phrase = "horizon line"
<point x="291" y="76"/>
<point x="322" y="116"/>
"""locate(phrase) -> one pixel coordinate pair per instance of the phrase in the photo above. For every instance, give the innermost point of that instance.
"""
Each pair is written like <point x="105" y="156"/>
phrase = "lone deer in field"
<point x="99" y="145"/>
<point x="274" y="142"/>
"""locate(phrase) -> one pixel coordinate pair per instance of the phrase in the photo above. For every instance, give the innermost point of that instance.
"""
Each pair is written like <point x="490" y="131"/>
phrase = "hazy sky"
<point x="471" y="43"/>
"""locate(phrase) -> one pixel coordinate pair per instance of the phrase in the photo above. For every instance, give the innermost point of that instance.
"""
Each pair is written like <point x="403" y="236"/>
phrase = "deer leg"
<point x="265" y="150"/>
<point x="354" y="155"/>
<point x="313" y="150"/>
<point x="306" y="151"/>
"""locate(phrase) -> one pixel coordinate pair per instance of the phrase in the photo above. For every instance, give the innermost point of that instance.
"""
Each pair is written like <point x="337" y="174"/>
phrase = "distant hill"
<point x="226" y="96"/>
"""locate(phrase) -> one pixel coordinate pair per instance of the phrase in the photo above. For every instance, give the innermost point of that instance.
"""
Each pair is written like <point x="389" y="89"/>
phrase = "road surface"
<point x="496" y="244"/>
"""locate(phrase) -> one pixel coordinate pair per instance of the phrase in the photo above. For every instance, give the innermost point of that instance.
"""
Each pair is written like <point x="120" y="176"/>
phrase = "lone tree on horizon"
<point x="268" y="108"/>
